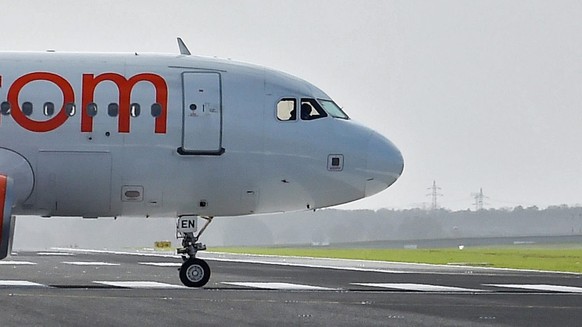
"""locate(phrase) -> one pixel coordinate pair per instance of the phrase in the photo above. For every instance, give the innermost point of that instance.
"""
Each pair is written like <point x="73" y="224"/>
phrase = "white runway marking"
<point x="280" y="286"/>
<point x="141" y="284"/>
<point x="361" y="264"/>
<point x="419" y="287"/>
<point x="56" y="254"/>
<point x="541" y="287"/>
<point x="90" y="263"/>
<point x="161" y="264"/>
<point x="20" y="283"/>
<point x="248" y="259"/>
<point x="16" y="263"/>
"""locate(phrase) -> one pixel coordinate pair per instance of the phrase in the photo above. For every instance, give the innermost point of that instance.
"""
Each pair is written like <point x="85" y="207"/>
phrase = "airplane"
<point x="175" y="135"/>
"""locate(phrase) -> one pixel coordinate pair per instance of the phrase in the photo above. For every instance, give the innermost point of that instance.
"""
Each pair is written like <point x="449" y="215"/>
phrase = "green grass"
<point x="553" y="259"/>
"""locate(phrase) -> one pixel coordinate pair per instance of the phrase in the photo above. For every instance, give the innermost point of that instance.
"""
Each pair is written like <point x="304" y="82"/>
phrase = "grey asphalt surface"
<point x="79" y="289"/>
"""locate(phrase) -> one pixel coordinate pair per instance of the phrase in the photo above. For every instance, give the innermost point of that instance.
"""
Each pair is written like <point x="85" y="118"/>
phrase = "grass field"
<point x="568" y="259"/>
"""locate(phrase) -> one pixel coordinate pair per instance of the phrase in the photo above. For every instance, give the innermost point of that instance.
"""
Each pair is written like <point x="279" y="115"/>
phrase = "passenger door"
<point x="202" y="114"/>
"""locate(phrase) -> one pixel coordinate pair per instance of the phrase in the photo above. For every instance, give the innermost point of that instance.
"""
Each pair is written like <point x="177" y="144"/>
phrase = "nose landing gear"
<point x="194" y="272"/>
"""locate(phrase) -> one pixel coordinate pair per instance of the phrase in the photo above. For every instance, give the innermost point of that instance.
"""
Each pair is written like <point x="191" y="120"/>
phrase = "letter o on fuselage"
<point x="34" y="125"/>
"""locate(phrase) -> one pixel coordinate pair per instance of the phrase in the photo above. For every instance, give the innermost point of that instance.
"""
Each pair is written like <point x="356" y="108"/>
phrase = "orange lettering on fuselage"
<point x="90" y="82"/>
<point x="124" y="86"/>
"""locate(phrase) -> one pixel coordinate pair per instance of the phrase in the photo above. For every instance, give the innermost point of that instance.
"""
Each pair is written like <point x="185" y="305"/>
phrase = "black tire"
<point x="194" y="273"/>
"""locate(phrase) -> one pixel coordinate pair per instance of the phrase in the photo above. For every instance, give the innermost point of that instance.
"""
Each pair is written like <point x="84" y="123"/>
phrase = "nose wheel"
<point x="194" y="272"/>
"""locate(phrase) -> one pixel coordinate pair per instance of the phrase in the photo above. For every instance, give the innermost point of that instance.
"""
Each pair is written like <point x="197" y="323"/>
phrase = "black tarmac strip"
<point x="74" y="288"/>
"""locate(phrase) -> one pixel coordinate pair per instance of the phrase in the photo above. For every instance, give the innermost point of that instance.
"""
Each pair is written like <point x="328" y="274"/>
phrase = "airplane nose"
<point x="385" y="164"/>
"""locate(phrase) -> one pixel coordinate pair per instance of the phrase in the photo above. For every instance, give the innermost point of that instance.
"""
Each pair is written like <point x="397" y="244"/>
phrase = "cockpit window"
<point x="333" y="109"/>
<point x="286" y="110"/>
<point x="311" y="110"/>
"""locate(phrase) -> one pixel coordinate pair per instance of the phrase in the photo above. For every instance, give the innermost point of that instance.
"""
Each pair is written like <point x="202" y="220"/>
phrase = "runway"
<point x="70" y="288"/>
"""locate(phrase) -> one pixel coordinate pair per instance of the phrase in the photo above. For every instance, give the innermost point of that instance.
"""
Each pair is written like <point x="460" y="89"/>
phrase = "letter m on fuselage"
<point x="125" y="87"/>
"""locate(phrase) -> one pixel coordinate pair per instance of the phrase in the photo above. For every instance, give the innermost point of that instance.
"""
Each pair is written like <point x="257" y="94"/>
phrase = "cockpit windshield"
<point x="333" y="109"/>
<point x="311" y="110"/>
<point x="308" y="109"/>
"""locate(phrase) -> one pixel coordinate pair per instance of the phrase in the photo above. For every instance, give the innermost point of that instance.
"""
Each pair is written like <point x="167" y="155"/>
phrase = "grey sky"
<point x="475" y="93"/>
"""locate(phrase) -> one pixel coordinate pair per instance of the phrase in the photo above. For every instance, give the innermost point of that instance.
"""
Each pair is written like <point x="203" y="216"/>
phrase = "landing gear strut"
<point x="194" y="272"/>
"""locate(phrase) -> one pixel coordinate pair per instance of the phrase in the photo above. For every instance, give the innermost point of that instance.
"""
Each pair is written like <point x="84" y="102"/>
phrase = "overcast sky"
<point x="474" y="93"/>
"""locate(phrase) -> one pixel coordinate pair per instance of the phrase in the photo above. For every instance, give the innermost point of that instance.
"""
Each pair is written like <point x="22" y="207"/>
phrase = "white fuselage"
<point x="205" y="140"/>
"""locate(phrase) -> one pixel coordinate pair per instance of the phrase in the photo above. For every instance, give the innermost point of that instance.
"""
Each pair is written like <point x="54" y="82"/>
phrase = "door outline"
<point x="58" y="183"/>
<point x="185" y="107"/>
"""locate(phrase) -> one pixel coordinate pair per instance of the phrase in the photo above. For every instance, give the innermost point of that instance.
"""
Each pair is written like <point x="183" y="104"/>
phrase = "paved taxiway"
<point x="66" y="288"/>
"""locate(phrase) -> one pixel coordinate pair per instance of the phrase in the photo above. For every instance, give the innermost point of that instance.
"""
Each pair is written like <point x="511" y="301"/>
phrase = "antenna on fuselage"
<point x="183" y="48"/>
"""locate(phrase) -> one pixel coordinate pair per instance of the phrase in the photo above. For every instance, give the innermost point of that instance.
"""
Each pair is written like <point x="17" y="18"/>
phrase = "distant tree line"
<point x="343" y="226"/>
<point x="322" y="227"/>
